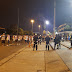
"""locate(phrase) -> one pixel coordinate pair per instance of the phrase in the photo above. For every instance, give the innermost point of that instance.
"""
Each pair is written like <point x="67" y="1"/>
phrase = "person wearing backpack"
<point x="35" y="38"/>
<point x="56" y="41"/>
<point x="71" y="41"/>
<point x="47" y="39"/>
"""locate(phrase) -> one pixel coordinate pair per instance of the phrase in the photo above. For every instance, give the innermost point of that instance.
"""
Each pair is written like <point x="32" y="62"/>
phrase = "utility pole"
<point x="18" y="22"/>
<point x="54" y="16"/>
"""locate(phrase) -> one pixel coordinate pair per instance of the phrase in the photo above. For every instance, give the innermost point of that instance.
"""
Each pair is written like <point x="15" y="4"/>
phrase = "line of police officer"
<point x="36" y="39"/>
<point x="57" y="41"/>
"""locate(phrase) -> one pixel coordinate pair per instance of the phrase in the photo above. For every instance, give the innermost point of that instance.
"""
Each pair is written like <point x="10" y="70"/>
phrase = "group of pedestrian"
<point x="57" y="41"/>
<point x="3" y="37"/>
<point x="6" y="38"/>
<point x="39" y="40"/>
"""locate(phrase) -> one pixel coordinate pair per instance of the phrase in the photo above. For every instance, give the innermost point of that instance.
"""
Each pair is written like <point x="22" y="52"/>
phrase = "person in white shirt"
<point x="8" y="39"/>
<point x="3" y="38"/>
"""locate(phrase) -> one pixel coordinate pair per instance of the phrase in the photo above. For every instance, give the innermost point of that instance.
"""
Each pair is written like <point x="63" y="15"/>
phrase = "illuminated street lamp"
<point x="32" y="21"/>
<point x="39" y="27"/>
<point x="47" y="22"/>
<point x="54" y="16"/>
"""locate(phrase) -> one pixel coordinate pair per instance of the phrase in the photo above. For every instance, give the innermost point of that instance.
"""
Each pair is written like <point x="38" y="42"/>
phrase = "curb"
<point x="3" y="61"/>
<point x="66" y="46"/>
<point x="62" y="59"/>
<point x="61" y="44"/>
<point x="51" y="46"/>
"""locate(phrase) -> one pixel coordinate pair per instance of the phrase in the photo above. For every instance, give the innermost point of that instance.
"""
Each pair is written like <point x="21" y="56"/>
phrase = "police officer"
<point x="35" y="41"/>
<point x="47" y="39"/>
<point x="71" y="40"/>
<point x="57" y="41"/>
<point x="39" y="39"/>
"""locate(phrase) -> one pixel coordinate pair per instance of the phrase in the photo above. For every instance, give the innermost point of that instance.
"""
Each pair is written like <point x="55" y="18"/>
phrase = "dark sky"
<point x="30" y="9"/>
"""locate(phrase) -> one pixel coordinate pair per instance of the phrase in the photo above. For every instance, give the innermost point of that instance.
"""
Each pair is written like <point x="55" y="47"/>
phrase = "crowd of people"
<point x="7" y="39"/>
<point x="56" y="40"/>
<point x="36" y="39"/>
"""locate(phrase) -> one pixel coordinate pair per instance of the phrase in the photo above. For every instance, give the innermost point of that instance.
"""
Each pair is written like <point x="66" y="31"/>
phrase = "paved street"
<point x="28" y="60"/>
<point x="65" y="54"/>
<point x="66" y="43"/>
<point x="8" y="50"/>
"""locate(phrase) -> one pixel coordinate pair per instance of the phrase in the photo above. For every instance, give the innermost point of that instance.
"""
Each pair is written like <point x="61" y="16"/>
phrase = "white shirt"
<point x="8" y="37"/>
<point x="3" y="37"/>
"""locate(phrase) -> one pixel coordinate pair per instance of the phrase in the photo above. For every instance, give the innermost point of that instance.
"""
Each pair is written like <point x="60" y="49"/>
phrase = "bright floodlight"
<point x="56" y="33"/>
<point x="39" y="26"/>
<point x="32" y="21"/>
<point x="47" y="22"/>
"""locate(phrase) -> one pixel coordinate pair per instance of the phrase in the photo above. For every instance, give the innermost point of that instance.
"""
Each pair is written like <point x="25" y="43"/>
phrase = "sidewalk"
<point x="66" y="43"/>
<point x="65" y="54"/>
<point x="35" y="61"/>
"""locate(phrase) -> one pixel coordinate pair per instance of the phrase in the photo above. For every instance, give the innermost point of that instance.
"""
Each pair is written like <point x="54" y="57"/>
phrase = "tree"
<point x="12" y="29"/>
<point x="28" y="33"/>
<point x="21" y="31"/>
<point x="44" y="32"/>
<point x="67" y="27"/>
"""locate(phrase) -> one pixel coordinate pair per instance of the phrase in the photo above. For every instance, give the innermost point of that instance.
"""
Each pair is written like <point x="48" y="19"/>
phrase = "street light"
<point x="39" y="27"/>
<point x="54" y="16"/>
<point x="18" y="23"/>
<point x="32" y="21"/>
<point x="47" y="22"/>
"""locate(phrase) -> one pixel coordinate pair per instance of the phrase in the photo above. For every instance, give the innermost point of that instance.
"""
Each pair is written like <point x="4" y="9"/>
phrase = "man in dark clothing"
<point x="39" y="39"/>
<point x="35" y="41"/>
<point x="47" y="39"/>
<point x="57" y="41"/>
<point x="71" y="40"/>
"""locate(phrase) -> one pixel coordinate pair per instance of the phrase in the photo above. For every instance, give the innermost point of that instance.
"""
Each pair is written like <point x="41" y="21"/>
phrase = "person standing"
<point x="35" y="41"/>
<point x="71" y="40"/>
<point x="19" y="40"/>
<point x="57" y="41"/>
<point x="40" y="38"/>
<point x="8" y="39"/>
<point x="13" y="38"/>
<point x="3" y="39"/>
<point x="47" y="39"/>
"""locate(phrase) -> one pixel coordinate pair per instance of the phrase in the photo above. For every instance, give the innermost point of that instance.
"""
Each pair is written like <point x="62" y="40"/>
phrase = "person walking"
<point x="3" y="39"/>
<point x="35" y="38"/>
<point x="71" y="41"/>
<point x="8" y="39"/>
<point x="47" y="39"/>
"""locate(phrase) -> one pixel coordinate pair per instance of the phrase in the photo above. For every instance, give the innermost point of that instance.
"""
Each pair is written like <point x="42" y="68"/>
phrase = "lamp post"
<point x="39" y="27"/>
<point x="54" y="15"/>
<point x="47" y="22"/>
<point x="32" y="21"/>
<point x="18" y="22"/>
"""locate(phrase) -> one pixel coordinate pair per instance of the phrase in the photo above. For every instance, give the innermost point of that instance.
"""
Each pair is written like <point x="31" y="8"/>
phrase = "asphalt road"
<point x="8" y="50"/>
<point x="41" y="60"/>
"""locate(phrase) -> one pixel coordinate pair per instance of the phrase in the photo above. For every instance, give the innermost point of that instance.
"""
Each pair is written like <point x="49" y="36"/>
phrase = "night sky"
<point x="32" y="9"/>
